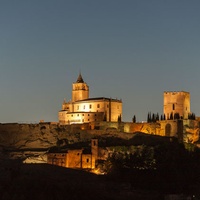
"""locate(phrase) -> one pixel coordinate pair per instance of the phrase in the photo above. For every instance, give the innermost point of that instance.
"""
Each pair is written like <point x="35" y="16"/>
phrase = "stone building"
<point x="176" y="103"/>
<point x="82" y="109"/>
<point x="176" y="108"/>
<point x="75" y="158"/>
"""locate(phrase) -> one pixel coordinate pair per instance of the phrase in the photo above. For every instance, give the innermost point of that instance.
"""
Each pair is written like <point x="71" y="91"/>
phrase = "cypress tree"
<point x="171" y="116"/>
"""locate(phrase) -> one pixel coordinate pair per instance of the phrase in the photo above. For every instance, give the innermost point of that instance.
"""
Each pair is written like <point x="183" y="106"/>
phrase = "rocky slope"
<point x="31" y="142"/>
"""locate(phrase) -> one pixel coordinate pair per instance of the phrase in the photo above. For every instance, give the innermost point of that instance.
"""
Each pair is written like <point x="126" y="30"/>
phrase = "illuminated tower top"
<point x="176" y="103"/>
<point x="80" y="89"/>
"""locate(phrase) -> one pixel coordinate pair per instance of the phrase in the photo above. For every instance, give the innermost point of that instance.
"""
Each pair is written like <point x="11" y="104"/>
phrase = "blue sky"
<point x="133" y="50"/>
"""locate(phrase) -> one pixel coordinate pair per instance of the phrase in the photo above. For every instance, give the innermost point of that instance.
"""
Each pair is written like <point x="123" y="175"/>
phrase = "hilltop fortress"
<point x="101" y="116"/>
<point x="105" y="113"/>
<point x="83" y="119"/>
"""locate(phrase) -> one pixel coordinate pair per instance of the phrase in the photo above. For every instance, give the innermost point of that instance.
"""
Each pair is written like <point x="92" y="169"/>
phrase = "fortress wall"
<point x="173" y="132"/>
<point x="149" y="128"/>
<point x="46" y="135"/>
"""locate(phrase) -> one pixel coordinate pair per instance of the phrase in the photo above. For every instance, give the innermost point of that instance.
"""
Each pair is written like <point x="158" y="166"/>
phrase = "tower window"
<point x="87" y="160"/>
<point x="98" y="105"/>
<point x="90" y="106"/>
<point x="84" y="107"/>
<point x="173" y="107"/>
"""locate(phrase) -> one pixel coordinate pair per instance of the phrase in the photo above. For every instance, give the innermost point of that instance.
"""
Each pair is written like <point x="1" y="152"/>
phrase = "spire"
<point x="80" y="79"/>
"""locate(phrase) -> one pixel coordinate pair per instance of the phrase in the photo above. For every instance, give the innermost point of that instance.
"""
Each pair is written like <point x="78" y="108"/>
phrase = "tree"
<point x="157" y="117"/>
<point x="134" y="119"/>
<point x="119" y="118"/>
<point x="176" y="116"/>
<point x="153" y="117"/>
<point x="171" y="116"/>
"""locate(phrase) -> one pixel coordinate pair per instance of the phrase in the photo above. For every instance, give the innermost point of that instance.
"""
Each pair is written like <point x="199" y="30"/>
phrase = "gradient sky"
<point x="132" y="50"/>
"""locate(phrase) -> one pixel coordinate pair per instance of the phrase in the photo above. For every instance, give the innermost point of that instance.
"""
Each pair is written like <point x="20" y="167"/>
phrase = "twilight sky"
<point x="132" y="50"/>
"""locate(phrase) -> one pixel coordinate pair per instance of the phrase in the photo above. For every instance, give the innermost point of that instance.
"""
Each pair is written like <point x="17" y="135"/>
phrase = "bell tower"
<point x="80" y="90"/>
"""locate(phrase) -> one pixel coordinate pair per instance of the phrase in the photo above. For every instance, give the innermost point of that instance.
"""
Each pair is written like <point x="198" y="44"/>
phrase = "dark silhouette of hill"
<point x="43" y="181"/>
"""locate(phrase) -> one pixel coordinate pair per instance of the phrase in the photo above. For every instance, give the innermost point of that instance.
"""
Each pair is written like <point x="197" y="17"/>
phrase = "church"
<point x="82" y="109"/>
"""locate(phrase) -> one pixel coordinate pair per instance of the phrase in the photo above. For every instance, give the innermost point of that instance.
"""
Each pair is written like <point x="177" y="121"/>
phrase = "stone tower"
<point x="80" y="90"/>
<point x="94" y="148"/>
<point x="176" y="102"/>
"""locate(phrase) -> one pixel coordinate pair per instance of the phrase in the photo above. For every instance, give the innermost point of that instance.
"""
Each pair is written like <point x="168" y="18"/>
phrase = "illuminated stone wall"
<point x="57" y="159"/>
<point x="73" y="159"/>
<point x="184" y="130"/>
<point x="176" y="102"/>
<point x="88" y="161"/>
<point x="89" y="110"/>
<point x="80" y="91"/>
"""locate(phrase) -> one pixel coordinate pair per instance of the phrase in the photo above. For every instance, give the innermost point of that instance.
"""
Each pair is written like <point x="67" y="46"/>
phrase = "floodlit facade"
<point x="75" y="158"/>
<point x="176" y="102"/>
<point x="82" y="109"/>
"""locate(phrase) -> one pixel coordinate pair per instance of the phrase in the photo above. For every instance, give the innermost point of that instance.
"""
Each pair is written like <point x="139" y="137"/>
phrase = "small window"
<point x="88" y="114"/>
<point x="83" y="107"/>
<point x="90" y="106"/>
<point x="88" y="119"/>
<point x="71" y="115"/>
<point x="77" y="107"/>
<point x="83" y="114"/>
<point x="87" y="160"/>
<point x="77" y="114"/>
<point x="98" y="105"/>
<point x="173" y="107"/>
<point x="77" y="154"/>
